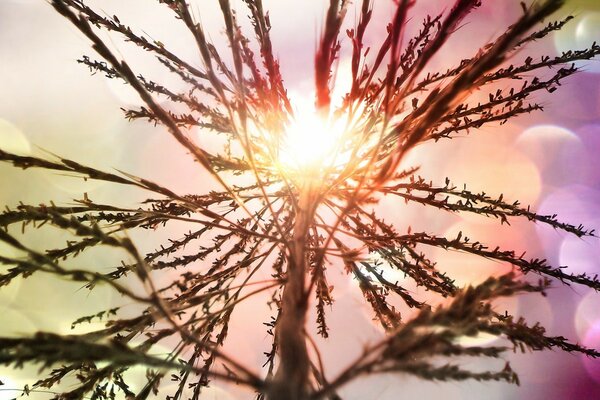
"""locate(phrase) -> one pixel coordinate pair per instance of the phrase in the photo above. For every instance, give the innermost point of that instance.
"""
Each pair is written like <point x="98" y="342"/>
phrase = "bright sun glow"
<point x="309" y="142"/>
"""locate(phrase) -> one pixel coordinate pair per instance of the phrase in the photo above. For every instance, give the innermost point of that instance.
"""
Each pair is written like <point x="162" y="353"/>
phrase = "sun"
<point x="310" y="142"/>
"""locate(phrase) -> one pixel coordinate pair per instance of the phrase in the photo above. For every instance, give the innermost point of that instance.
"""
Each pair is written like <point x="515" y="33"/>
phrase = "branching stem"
<point x="291" y="381"/>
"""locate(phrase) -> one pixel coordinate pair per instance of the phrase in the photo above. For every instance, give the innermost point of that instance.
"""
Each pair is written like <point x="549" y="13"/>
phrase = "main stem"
<point x="291" y="381"/>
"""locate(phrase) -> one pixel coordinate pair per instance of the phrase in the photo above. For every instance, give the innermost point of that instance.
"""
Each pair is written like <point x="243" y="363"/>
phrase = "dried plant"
<point x="294" y="215"/>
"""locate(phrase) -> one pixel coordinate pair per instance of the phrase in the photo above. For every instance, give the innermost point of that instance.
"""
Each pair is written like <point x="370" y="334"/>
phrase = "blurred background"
<point x="49" y="104"/>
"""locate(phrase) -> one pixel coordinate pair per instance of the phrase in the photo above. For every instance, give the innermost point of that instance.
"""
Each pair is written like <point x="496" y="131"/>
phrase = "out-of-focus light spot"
<point x="587" y="313"/>
<point x="499" y="170"/>
<point x="590" y="137"/>
<point x="546" y="133"/>
<point x="592" y="340"/>
<point x="575" y="101"/>
<point x="556" y="151"/>
<point x="574" y="204"/>
<point x="579" y="34"/>
<point x="580" y="255"/>
<point x="586" y="33"/>
<point x="12" y="140"/>
<point x="564" y="39"/>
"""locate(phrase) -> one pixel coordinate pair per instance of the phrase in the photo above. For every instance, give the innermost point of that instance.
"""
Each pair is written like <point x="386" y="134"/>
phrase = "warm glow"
<point x="310" y="142"/>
